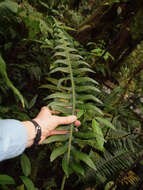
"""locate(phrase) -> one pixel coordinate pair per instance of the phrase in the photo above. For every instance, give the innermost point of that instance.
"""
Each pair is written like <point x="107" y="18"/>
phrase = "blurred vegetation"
<point x="70" y="54"/>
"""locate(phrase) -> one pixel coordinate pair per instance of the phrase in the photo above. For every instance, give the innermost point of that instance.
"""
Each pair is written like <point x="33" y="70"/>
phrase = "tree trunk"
<point x="118" y="24"/>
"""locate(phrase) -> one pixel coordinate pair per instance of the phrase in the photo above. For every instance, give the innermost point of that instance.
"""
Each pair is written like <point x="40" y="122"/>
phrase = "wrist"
<point x="31" y="132"/>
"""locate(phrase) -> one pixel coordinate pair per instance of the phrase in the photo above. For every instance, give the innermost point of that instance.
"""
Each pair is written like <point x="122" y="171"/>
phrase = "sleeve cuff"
<point x="13" y="138"/>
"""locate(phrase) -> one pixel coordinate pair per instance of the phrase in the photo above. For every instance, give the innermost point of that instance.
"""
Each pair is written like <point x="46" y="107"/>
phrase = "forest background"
<point x="75" y="55"/>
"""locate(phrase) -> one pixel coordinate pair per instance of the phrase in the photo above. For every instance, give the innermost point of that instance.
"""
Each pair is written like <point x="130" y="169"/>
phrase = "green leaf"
<point x="80" y="113"/>
<point x="89" y="97"/>
<point x="61" y="54"/>
<point x="57" y="152"/>
<point x="25" y="165"/>
<point x="86" y="88"/>
<point x="32" y="102"/>
<point x="105" y="122"/>
<point x="59" y="47"/>
<point x="63" y="104"/>
<point x="28" y="183"/>
<point x="6" y="180"/>
<point x="75" y="56"/>
<point x="7" y="4"/>
<point x="109" y="185"/>
<point x="84" y="135"/>
<point x="85" y="80"/>
<point x="71" y="50"/>
<point x="62" y="109"/>
<point x="49" y="86"/>
<point x="78" y="71"/>
<point x="99" y="135"/>
<point x="56" y="138"/>
<point x="62" y="80"/>
<point x="83" y="157"/>
<point x="61" y="69"/>
<point x="82" y="63"/>
<point x="61" y="61"/>
<point x="77" y="168"/>
<point x="8" y="82"/>
<point x="65" y="165"/>
<point x="20" y="187"/>
<point x="92" y="107"/>
<point x="58" y="95"/>
<point x="52" y="80"/>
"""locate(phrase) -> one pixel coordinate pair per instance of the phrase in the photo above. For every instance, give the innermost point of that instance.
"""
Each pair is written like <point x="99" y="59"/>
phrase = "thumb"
<point x="66" y="120"/>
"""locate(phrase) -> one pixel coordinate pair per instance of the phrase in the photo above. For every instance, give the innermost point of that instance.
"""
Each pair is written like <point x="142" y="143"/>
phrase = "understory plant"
<point x="74" y="89"/>
<point x="38" y="58"/>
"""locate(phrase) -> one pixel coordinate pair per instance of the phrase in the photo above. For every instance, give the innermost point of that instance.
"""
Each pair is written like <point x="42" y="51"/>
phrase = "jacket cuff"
<point x="13" y="138"/>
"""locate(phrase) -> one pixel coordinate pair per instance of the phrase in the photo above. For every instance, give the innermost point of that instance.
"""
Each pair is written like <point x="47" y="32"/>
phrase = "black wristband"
<point x="38" y="135"/>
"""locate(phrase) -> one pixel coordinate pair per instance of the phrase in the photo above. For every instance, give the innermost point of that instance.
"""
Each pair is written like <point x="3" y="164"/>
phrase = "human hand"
<point x="48" y="124"/>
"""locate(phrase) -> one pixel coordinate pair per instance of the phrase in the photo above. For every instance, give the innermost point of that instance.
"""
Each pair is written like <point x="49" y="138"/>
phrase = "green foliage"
<point x="28" y="183"/>
<point x="8" y="82"/>
<point x="42" y="64"/>
<point x="25" y="165"/>
<point x="5" y="180"/>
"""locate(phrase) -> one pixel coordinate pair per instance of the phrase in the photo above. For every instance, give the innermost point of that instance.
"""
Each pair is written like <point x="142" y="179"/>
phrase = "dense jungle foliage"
<point x="75" y="55"/>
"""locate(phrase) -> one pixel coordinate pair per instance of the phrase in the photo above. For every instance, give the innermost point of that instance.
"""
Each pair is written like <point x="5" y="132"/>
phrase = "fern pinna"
<point x="73" y="90"/>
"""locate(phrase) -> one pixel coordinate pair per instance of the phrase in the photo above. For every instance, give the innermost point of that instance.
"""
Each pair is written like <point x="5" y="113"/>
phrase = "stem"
<point x="63" y="182"/>
<point x="73" y="111"/>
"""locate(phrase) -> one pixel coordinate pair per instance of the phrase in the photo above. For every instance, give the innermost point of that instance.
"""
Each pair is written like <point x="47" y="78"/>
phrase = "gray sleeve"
<point x="13" y="138"/>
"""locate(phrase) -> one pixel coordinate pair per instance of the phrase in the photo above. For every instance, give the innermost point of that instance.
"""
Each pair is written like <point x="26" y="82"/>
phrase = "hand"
<point x="48" y="123"/>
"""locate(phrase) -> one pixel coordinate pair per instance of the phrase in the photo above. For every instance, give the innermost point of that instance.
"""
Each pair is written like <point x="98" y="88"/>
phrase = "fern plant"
<point x="74" y="90"/>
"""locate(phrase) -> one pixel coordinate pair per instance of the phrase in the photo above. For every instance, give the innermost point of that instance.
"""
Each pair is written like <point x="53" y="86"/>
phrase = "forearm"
<point x="31" y="132"/>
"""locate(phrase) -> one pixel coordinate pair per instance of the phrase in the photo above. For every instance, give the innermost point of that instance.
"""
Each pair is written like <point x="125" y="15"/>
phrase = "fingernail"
<point x="74" y="117"/>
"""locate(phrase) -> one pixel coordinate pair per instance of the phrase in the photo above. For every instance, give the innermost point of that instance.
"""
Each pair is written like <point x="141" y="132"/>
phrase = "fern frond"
<point x="74" y="91"/>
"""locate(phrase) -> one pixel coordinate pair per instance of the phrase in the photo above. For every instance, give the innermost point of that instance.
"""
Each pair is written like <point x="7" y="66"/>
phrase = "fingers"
<point x="54" y="112"/>
<point x="47" y="109"/>
<point x="54" y="132"/>
<point x="65" y="120"/>
<point x="77" y="123"/>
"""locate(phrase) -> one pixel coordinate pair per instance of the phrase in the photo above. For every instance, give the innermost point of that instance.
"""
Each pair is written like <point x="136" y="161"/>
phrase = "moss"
<point x="137" y="26"/>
